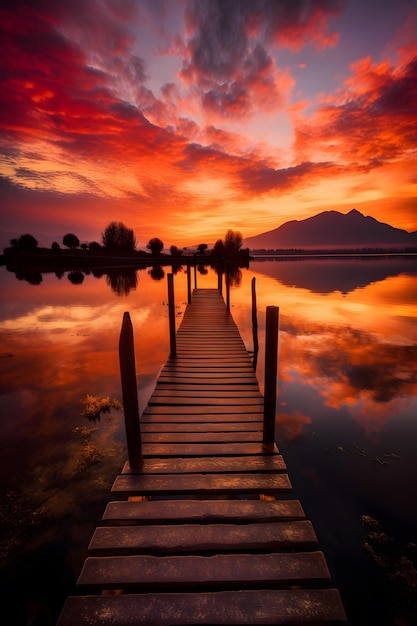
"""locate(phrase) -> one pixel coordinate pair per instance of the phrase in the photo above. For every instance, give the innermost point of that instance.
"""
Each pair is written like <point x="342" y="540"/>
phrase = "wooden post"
<point x="228" y="285"/>
<point x="271" y="367"/>
<point x="254" y="325"/>
<point x="195" y="271"/>
<point x="219" y="278"/>
<point x="189" y="280"/>
<point x="171" y="310"/>
<point x="130" y="393"/>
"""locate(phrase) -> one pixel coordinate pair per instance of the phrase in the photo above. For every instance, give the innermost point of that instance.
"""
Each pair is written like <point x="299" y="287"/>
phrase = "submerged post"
<point x="130" y="394"/>
<point x="171" y="309"/>
<point x="271" y="368"/>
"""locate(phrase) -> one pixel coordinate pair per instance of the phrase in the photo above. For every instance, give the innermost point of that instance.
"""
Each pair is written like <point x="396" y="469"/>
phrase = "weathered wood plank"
<point x="202" y="449"/>
<point x="205" y="391"/>
<point x="206" y="437"/>
<point x="191" y="427"/>
<point x="200" y="414"/>
<point x="197" y="465"/>
<point x="202" y="511"/>
<point x="150" y="573"/>
<point x="201" y="484"/>
<point x="315" y="607"/>
<point x="192" y="378"/>
<point x="158" y="400"/>
<point x="196" y="538"/>
<point x="208" y="386"/>
<point x="189" y="416"/>
<point x="249" y="388"/>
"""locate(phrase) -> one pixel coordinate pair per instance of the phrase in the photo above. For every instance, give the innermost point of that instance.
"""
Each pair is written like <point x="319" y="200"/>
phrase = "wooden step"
<point x="234" y="608"/>
<point x="191" y="427"/>
<point x="211" y="465"/>
<point x="191" y="538"/>
<point x="202" y="437"/>
<point x="205" y="414"/>
<point x="200" y="484"/>
<point x="202" y="511"/>
<point x="201" y="449"/>
<point x="151" y="573"/>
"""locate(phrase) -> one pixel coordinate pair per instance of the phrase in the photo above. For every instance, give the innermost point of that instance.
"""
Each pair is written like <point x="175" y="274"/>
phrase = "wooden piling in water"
<point x="271" y="368"/>
<point x="189" y="281"/>
<point x="171" y="310"/>
<point x="254" y="325"/>
<point x="228" y="285"/>
<point x="130" y="394"/>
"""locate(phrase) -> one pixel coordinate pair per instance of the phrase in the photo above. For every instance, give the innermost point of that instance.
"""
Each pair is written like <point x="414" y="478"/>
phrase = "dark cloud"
<point x="228" y="54"/>
<point x="256" y="178"/>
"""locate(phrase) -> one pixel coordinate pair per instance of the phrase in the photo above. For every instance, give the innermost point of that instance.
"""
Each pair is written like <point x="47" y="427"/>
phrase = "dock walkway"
<point x="200" y="534"/>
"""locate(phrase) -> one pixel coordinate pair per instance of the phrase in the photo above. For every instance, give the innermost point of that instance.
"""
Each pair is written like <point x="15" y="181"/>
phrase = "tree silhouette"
<point x="117" y="236"/>
<point x="71" y="241"/>
<point x="202" y="248"/>
<point x="155" y="245"/>
<point x="175" y="251"/>
<point x="218" y="248"/>
<point x="26" y="242"/>
<point x="233" y="241"/>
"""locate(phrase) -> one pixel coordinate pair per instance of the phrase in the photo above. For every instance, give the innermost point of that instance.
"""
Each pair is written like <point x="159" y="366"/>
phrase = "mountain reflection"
<point x="327" y="275"/>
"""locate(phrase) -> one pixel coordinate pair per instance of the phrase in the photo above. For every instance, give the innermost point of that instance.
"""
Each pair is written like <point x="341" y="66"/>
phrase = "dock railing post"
<point x="189" y="280"/>
<point x="171" y="311"/>
<point x="254" y="325"/>
<point x="271" y="368"/>
<point x="195" y="271"/>
<point x="130" y="393"/>
<point x="220" y="275"/>
<point x="228" y="285"/>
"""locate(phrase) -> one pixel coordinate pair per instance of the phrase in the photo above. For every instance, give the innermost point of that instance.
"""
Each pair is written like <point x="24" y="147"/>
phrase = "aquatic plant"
<point x="94" y="406"/>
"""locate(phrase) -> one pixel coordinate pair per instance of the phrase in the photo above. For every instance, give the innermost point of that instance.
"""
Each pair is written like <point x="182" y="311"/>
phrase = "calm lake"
<point x="346" y="417"/>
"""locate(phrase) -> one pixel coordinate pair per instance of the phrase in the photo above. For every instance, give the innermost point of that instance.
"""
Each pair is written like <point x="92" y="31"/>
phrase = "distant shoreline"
<point x="345" y="254"/>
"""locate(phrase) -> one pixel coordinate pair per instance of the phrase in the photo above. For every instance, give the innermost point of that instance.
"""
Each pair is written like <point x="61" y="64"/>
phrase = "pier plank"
<point x="234" y="608"/>
<point x="202" y="511"/>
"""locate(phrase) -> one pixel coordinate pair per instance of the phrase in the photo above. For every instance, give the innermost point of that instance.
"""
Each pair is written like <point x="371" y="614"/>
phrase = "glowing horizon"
<point x="188" y="117"/>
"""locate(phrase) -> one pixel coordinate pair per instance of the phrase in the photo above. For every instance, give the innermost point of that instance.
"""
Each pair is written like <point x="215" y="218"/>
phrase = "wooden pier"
<point x="203" y="532"/>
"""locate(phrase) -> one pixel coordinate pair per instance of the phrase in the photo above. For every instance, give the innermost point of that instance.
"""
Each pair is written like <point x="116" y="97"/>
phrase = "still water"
<point x="346" y="417"/>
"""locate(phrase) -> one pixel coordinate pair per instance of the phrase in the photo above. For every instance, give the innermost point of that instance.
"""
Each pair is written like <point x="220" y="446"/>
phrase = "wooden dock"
<point x="205" y="532"/>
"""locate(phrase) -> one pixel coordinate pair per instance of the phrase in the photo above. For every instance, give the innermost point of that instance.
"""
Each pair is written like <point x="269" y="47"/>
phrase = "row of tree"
<point x="117" y="237"/>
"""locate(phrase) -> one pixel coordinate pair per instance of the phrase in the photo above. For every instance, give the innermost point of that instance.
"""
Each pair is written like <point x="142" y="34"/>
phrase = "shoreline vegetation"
<point x="118" y="250"/>
<point x="47" y="259"/>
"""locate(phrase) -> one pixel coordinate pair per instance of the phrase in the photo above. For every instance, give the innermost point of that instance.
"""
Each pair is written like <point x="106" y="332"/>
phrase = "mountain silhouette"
<point x="330" y="230"/>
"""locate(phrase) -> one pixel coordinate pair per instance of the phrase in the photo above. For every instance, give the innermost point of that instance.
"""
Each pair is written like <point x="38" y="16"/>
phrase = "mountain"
<point x="331" y="229"/>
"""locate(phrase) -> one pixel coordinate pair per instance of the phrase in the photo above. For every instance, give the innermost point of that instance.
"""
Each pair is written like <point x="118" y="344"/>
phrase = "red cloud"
<point x="377" y="97"/>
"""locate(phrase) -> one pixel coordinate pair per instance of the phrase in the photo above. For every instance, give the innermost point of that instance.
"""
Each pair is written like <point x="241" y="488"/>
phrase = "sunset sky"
<point x="184" y="118"/>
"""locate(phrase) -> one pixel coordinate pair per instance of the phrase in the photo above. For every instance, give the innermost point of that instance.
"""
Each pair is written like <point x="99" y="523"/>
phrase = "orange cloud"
<point x="375" y="96"/>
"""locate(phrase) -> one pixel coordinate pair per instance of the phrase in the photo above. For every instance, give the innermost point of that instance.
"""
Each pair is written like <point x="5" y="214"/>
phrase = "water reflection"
<point x="344" y="274"/>
<point x="347" y="396"/>
<point x="122" y="280"/>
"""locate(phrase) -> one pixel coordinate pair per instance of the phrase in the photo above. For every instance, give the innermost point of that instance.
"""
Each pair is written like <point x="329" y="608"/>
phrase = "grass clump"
<point x="94" y="406"/>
